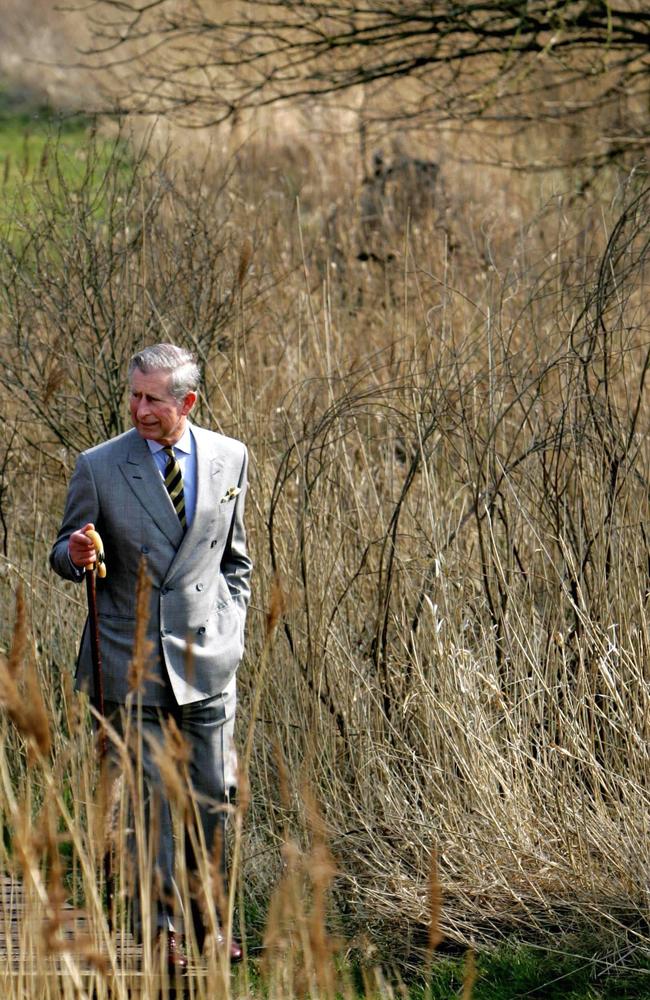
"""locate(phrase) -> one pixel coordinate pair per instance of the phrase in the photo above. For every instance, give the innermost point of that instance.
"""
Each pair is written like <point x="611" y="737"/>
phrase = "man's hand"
<point x="81" y="548"/>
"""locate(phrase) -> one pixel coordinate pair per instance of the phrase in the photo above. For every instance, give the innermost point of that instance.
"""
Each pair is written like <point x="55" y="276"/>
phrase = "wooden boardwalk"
<point x="27" y="926"/>
<point x="33" y="955"/>
<point x="68" y="960"/>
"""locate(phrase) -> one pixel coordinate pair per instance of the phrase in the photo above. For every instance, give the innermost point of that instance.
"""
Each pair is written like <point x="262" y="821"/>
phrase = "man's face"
<point x="156" y="414"/>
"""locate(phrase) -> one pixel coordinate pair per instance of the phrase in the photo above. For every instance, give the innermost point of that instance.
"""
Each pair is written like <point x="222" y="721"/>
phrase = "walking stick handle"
<point x="95" y="538"/>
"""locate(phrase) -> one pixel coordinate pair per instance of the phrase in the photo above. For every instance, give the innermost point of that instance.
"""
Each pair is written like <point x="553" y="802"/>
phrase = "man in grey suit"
<point x="170" y="494"/>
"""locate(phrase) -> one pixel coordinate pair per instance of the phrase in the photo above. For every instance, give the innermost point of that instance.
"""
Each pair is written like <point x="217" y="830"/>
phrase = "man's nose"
<point x="142" y="409"/>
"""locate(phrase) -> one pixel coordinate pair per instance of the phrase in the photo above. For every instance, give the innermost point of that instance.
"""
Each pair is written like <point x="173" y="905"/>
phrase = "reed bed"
<point x="444" y="705"/>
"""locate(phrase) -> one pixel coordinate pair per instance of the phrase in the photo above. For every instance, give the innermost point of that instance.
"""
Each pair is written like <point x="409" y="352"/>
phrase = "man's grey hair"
<point x="180" y="363"/>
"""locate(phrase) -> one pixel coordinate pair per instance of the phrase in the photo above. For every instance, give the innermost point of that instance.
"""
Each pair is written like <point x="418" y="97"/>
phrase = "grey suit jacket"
<point x="200" y="582"/>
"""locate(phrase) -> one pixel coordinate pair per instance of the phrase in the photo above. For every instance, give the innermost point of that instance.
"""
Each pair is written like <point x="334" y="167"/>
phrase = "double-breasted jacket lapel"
<point x="209" y="471"/>
<point x="142" y="476"/>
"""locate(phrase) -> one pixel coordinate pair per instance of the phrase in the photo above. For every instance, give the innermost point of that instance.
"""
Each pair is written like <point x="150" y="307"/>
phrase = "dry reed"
<point x="448" y="517"/>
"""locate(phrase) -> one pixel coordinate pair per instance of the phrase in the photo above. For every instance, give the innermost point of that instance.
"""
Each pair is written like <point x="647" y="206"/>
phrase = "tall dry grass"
<point x="449" y="483"/>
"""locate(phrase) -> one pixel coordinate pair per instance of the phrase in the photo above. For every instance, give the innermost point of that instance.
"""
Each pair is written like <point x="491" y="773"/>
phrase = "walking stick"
<point x="93" y="622"/>
<point x="98" y="681"/>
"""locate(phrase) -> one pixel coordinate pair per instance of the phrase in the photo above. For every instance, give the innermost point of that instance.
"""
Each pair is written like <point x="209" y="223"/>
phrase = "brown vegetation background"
<point x="441" y="377"/>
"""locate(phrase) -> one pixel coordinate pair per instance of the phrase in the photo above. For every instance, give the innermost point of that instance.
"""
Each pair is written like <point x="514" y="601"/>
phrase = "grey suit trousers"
<point x="205" y="769"/>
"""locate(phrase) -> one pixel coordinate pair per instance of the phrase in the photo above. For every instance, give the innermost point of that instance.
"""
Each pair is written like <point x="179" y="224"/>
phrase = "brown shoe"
<point x="171" y="949"/>
<point x="236" y="953"/>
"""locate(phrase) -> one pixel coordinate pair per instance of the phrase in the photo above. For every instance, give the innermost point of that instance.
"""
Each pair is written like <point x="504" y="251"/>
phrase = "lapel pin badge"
<point x="231" y="493"/>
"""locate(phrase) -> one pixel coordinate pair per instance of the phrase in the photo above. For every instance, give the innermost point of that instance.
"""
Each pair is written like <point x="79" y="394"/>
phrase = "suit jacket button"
<point x="144" y="548"/>
<point x="163" y="591"/>
<point x="199" y="586"/>
<point x="201" y="631"/>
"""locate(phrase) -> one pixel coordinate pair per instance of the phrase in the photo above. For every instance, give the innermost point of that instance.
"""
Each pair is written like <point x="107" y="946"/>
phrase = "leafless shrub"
<point x="416" y="64"/>
<point x="86" y="281"/>
<point x="399" y="190"/>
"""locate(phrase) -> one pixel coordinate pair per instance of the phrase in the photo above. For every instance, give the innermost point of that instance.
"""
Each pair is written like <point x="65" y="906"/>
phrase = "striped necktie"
<point x="174" y="484"/>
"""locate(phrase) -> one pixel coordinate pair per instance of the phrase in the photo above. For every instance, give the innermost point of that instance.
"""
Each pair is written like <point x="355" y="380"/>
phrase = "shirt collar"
<point x="184" y="443"/>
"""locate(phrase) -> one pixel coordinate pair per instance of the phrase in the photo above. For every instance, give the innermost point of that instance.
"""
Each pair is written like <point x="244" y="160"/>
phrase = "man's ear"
<point x="188" y="403"/>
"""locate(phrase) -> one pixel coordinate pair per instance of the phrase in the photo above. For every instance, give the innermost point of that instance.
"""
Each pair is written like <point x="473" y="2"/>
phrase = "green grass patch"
<point x="27" y="131"/>
<point x="509" y="973"/>
<point x="515" y="972"/>
<point x="46" y="154"/>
